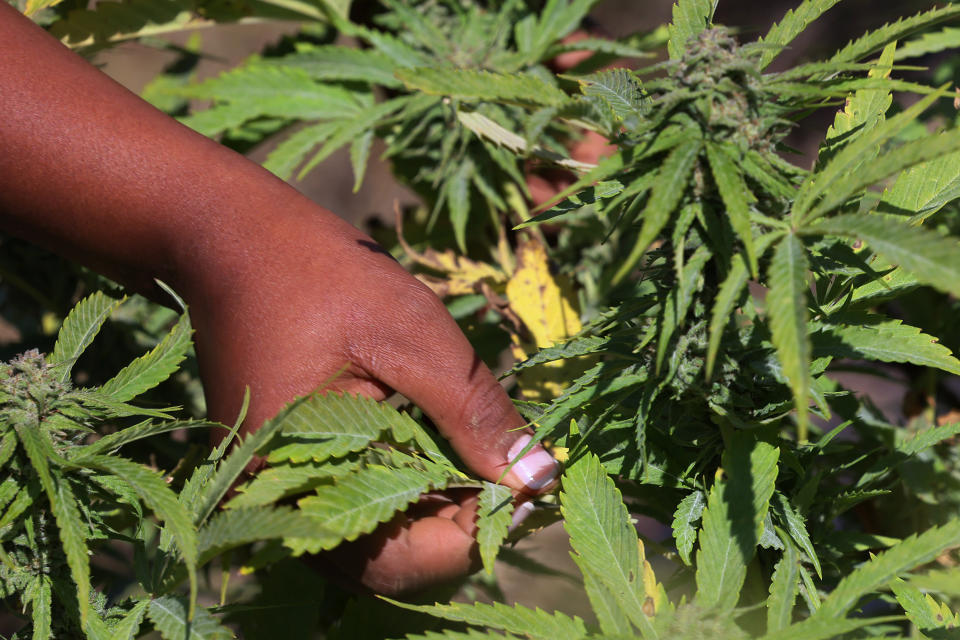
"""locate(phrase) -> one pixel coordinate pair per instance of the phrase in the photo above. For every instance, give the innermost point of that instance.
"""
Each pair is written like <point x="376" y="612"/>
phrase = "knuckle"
<point x="488" y="415"/>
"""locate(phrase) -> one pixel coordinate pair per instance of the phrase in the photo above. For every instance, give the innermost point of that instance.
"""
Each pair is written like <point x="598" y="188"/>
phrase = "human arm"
<point x="282" y="293"/>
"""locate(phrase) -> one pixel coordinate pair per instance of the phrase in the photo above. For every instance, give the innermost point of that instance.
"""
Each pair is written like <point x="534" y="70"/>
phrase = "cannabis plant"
<point x="67" y="491"/>
<point x="61" y="496"/>
<point x="678" y="318"/>
<point x="705" y="389"/>
<point x="332" y="90"/>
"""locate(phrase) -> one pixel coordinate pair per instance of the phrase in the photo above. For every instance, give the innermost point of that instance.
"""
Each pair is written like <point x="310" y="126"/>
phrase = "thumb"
<point x="426" y="358"/>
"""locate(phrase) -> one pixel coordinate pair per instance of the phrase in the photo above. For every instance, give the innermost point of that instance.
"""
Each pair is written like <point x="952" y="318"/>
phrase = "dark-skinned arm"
<point x="282" y="293"/>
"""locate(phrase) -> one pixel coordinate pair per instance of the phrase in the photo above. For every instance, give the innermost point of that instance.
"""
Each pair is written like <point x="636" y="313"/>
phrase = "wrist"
<point x="259" y="234"/>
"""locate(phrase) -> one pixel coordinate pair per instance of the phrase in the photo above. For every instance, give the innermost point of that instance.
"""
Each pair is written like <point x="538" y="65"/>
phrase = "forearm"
<point x="91" y="171"/>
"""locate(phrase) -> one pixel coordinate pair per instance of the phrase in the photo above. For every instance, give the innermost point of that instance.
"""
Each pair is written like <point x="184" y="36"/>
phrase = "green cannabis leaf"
<point x="495" y="508"/>
<point x="716" y="292"/>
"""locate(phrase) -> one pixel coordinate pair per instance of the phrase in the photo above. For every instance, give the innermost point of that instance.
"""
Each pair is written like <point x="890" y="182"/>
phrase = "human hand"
<point x="282" y="293"/>
<point x="305" y="294"/>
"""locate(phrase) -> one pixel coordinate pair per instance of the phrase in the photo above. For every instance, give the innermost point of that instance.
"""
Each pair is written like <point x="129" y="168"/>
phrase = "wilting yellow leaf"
<point x="538" y="300"/>
<point x="461" y="275"/>
<point x="544" y="306"/>
<point x="546" y="381"/>
<point x="36" y="5"/>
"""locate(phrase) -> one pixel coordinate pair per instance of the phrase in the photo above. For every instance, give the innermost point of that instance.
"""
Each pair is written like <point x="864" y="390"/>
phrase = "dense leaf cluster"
<point x="720" y="288"/>
<point x="408" y="49"/>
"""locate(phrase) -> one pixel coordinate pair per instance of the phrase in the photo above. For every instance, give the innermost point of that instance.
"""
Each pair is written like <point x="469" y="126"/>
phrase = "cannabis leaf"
<point x="169" y="616"/>
<point x="605" y="548"/>
<point x="784" y="587"/>
<point x="690" y="17"/>
<point x="359" y="501"/>
<point x="532" y="623"/>
<point x="476" y="85"/>
<point x="931" y="258"/>
<point x="152" y="368"/>
<point x="494" y="511"/>
<point x="733" y="520"/>
<point x="794" y="22"/>
<point x="889" y="341"/>
<point x="787" y="309"/>
<point x="688" y="513"/>
<point x="903" y="556"/>
<point x="79" y="329"/>
<point x="667" y="193"/>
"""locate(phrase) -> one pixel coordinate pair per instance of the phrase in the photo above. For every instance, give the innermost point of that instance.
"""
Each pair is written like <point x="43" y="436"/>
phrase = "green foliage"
<point x="281" y="480"/>
<point x="342" y="424"/>
<point x="48" y="420"/>
<point x="891" y="341"/>
<point x="242" y="526"/>
<point x="690" y="18"/>
<point x="619" y="89"/>
<point x="79" y="329"/>
<point x="151" y="488"/>
<point x="793" y="24"/>
<point x="733" y="520"/>
<point x="930" y="258"/>
<point x="784" y="587"/>
<point x="929" y="42"/>
<point x="213" y="483"/>
<point x="470" y="85"/>
<point x="438" y="60"/>
<point x="558" y="19"/>
<point x="64" y="496"/>
<point x="906" y="555"/>
<point x="713" y="293"/>
<point x="361" y="500"/>
<point x="933" y="619"/>
<point x="664" y="198"/>
<point x="736" y="198"/>
<point x="516" y="619"/>
<point x="924" y="188"/>
<point x="153" y="368"/>
<point x="494" y="516"/>
<point x="787" y="308"/>
<point x="269" y="90"/>
<point x="169" y="616"/>
<point x="605" y="548"/>
<point x="129" y="625"/>
<point x="878" y="38"/>
<point x="689" y="511"/>
<point x="112" y="22"/>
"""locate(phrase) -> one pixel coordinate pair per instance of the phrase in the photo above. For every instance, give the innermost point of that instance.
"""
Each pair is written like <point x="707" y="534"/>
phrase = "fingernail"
<point x="537" y="469"/>
<point x="520" y="514"/>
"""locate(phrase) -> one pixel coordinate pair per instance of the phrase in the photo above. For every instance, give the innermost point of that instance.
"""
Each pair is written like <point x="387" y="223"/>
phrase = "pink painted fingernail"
<point x="520" y="514"/>
<point x="537" y="469"/>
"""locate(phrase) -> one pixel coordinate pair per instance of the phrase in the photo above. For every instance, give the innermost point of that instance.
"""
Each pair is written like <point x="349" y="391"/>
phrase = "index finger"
<point x="427" y="358"/>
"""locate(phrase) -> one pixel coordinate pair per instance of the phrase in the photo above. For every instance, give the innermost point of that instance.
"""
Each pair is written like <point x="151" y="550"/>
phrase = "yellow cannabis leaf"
<point x="461" y="275"/>
<point x="33" y="6"/>
<point x="544" y="305"/>
<point x="539" y="300"/>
